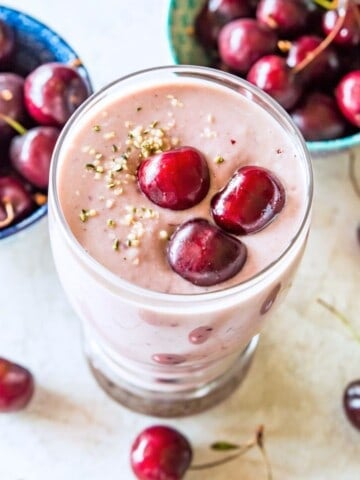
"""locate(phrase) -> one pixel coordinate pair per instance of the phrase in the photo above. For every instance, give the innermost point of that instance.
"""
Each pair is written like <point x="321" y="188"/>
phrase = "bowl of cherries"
<point x="303" y="53"/>
<point x="42" y="82"/>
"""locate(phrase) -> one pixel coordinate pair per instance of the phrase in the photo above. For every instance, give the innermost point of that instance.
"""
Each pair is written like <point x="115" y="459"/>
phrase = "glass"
<point x="120" y="320"/>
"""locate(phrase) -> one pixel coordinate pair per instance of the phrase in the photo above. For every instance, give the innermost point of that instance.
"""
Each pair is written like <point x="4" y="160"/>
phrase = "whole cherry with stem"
<point x="31" y="150"/>
<point x="342" y="9"/>
<point x="163" y="453"/>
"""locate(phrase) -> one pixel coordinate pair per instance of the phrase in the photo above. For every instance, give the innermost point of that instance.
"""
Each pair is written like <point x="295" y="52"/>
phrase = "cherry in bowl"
<point x="34" y="45"/>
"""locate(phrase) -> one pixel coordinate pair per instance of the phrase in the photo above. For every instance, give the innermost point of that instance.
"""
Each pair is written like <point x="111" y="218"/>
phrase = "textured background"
<point x="72" y="430"/>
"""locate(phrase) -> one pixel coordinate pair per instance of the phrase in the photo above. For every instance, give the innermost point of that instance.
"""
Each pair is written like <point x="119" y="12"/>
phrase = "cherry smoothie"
<point x="179" y="210"/>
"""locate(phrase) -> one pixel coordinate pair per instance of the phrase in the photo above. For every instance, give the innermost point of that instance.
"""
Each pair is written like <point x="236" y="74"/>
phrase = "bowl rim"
<point x="42" y="210"/>
<point x="319" y="147"/>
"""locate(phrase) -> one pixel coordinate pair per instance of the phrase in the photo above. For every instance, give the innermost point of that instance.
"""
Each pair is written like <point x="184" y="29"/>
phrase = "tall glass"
<point x="137" y="340"/>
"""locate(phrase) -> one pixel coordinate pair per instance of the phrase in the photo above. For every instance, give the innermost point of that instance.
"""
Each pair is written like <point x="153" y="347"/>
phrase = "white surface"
<point x="72" y="430"/>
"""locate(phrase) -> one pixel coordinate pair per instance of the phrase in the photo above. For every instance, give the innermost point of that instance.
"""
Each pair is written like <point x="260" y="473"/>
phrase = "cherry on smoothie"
<point x="160" y="453"/>
<point x="203" y="254"/>
<point x="11" y="102"/>
<point x="16" y="386"/>
<point x="243" y="41"/>
<point x="15" y="201"/>
<point x="176" y="179"/>
<point x="351" y="403"/>
<point x="253" y="197"/>
<point x="347" y="95"/>
<point x="318" y="118"/>
<point x="53" y="91"/>
<point x="30" y="154"/>
<point x="7" y="43"/>
<point x="273" y="76"/>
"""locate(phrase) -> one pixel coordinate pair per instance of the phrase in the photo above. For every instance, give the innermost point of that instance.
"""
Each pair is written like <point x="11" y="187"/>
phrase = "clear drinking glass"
<point x="125" y="326"/>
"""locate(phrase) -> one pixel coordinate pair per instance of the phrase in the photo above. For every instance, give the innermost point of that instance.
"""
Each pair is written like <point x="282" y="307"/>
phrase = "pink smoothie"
<point x="116" y="225"/>
<point x="121" y="228"/>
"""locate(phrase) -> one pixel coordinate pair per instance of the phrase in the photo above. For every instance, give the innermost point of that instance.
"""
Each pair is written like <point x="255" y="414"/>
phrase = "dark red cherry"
<point x="7" y="43"/>
<point x="285" y="16"/>
<point x="30" y="154"/>
<point x="347" y="95"/>
<point x="349" y="33"/>
<point x="318" y="118"/>
<point x="15" y="201"/>
<point x="53" y="91"/>
<point x="176" y="179"/>
<point x="324" y="66"/>
<point x="11" y="102"/>
<point x="243" y="41"/>
<point x="160" y="453"/>
<point x="203" y="254"/>
<point x="351" y="403"/>
<point x="273" y="75"/>
<point x="227" y="10"/>
<point x="249" y="202"/>
<point x="214" y="15"/>
<point x="16" y="386"/>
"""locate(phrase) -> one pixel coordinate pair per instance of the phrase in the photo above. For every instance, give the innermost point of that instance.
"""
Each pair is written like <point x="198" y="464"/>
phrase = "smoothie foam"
<point x="120" y="227"/>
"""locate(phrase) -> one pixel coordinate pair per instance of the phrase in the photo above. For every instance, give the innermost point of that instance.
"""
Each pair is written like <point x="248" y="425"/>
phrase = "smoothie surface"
<point x="120" y="227"/>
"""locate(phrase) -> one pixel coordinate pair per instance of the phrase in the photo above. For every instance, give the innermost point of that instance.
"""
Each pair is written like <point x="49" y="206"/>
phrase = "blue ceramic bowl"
<point x="36" y="44"/>
<point x="185" y="50"/>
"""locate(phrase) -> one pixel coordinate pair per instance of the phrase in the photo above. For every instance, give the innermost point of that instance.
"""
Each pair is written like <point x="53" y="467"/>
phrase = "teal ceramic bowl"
<point x="185" y="50"/>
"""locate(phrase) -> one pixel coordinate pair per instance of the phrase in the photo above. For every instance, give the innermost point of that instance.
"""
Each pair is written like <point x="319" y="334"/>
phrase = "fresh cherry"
<point x="203" y="254"/>
<point x="16" y="386"/>
<point x="11" y="102"/>
<point x="351" y="403"/>
<point x="288" y="17"/>
<point x="30" y="154"/>
<point x="15" y="201"/>
<point x="160" y="453"/>
<point x="53" y="91"/>
<point x="318" y="118"/>
<point x="176" y="179"/>
<point x="214" y="15"/>
<point x="273" y="76"/>
<point x="243" y="41"/>
<point x="7" y="43"/>
<point x="347" y="95"/>
<point x="249" y="202"/>
<point x="324" y="66"/>
<point x="349" y="33"/>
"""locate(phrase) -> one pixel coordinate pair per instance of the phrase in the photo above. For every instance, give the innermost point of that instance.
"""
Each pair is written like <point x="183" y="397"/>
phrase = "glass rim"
<point x="228" y="80"/>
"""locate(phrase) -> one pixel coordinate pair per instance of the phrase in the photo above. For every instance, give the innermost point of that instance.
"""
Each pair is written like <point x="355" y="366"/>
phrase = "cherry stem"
<point x="10" y="213"/>
<point x="261" y="445"/>
<point x="14" y="124"/>
<point x="241" y="450"/>
<point x="357" y="15"/>
<point x="355" y="335"/>
<point x="327" y="40"/>
<point x="328" y="4"/>
<point x="75" y="63"/>
<point x="352" y="174"/>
